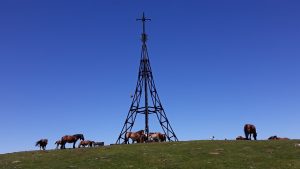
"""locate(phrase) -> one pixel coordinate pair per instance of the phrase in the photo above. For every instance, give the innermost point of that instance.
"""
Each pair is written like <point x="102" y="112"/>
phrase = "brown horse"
<point x="241" y="138"/>
<point x="86" y="143"/>
<point x="250" y="129"/>
<point x="277" y="138"/>
<point x="135" y="136"/>
<point x="70" y="139"/>
<point x="157" y="137"/>
<point x="58" y="142"/>
<point x="42" y="143"/>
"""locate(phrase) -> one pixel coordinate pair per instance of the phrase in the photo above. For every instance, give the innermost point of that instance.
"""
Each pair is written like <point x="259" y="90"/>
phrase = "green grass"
<point x="190" y="154"/>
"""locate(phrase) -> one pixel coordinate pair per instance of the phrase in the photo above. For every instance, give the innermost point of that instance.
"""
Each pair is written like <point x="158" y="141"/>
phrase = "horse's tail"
<point x="246" y="131"/>
<point x="127" y="137"/>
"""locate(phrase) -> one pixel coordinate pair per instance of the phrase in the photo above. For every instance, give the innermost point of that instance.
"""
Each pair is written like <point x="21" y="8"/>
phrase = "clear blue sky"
<point x="69" y="67"/>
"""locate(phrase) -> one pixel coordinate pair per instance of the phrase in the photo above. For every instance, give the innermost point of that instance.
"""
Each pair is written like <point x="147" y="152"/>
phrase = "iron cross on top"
<point x="144" y="19"/>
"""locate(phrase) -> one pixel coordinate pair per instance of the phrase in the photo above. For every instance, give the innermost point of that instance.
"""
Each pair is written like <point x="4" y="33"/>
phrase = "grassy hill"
<point x="190" y="154"/>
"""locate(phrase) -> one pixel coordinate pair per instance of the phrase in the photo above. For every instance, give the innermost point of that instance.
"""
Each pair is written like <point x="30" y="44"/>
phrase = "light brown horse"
<point x="58" y="142"/>
<point x="250" y="129"/>
<point x="70" y="139"/>
<point x="42" y="143"/>
<point x="86" y="143"/>
<point x="241" y="138"/>
<point x="134" y="136"/>
<point x="157" y="137"/>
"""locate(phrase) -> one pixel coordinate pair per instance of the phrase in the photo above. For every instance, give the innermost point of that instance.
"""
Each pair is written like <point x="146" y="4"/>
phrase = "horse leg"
<point x="62" y="146"/>
<point x="246" y="134"/>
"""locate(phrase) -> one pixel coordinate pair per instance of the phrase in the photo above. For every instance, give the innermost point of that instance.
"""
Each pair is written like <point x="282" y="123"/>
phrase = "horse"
<point x="241" y="138"/>
<point x="86" y="143"/>
<point x="58" y="142"/>
<point x="42" y="143"/>
<point x="157" y="137"/>
<point x="98" y="144"/>
<point x="272" y="138"/>
<point x="250" y="129"/>
<point x="135" y="136"/>
<point x="277" y="138"/>
<point x="70" y="139"/>
<point x="283" y="138"/>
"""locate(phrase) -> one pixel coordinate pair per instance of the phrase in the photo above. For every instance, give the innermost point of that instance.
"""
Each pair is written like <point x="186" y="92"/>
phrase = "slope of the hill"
<point x="189" y="154"/>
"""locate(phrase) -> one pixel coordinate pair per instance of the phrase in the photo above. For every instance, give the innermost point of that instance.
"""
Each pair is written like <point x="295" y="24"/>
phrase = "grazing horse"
<point x="272" y="138"/>
<point x="58" y="142"/>
<point x="250" y="129"/>
<point x="98" y="144"/>
<point x="42" y="143"/>
<point x="86" y="143"/>
<point x="241" y="138"/>
<point x="135" y="136"/>
<point x="277" y="138"/>
<point x="157" y="137"/>
<point x="70" y="139"/>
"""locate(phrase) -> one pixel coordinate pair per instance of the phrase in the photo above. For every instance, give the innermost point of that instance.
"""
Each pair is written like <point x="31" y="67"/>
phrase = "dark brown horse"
<point x="135" y="136"/>
<point x="241" y="138"/>
<point x="86" y="143"/>
<point x="250" y="129"/>
<point x="58" y="142"/>
<point x="42" y="143"/>
<point x="70" y="139"/>
<point x="277" y="138"/>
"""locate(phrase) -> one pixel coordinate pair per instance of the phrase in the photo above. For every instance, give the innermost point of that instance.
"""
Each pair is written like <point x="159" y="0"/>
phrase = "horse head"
<point x="141" y="131"/>
<point x="254" y="135"/>
<point x="38" y="143"/>
<point x="79" y="136"/>
<point x="163" y="138"/>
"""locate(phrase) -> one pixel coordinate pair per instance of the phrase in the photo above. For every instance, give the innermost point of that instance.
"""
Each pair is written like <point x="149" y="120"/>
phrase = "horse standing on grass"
<point x="42" y="143"/>
<point x="250" y="129"/>
<point x="58" y="142"/>
<point x="70" y="139"/>
<point x="135" y="136"/>
<point x="86" y="143"/>
<point x="157" y="137"/>
<point x="277" y="138"/>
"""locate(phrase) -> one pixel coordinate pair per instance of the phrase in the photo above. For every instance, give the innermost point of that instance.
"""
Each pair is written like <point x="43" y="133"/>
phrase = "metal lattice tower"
<point x="146" y="89"/>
